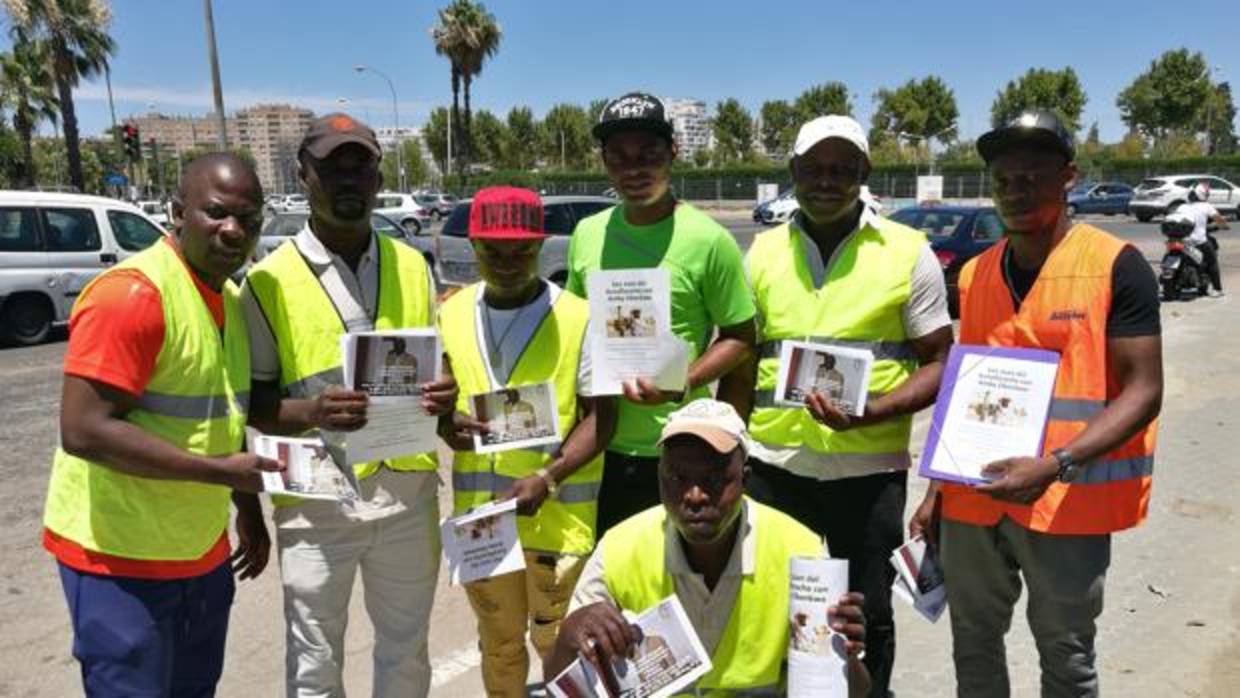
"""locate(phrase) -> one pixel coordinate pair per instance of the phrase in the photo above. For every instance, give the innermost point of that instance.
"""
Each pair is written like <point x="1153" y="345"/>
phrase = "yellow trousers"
<point x="533" y="600"/>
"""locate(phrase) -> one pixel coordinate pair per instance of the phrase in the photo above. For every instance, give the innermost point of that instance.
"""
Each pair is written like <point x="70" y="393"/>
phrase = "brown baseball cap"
<point x="334" y="130"/>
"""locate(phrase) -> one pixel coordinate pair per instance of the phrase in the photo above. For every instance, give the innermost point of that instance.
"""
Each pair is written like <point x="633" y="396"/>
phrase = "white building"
<point x="691" y="122"/>
<point x="388" y="135"/>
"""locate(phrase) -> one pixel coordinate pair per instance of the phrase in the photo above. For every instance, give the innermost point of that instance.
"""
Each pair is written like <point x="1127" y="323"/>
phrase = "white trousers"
<point x="398" y="556"/>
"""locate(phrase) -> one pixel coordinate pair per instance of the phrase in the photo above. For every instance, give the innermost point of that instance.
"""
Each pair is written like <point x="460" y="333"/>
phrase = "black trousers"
<point x="1209" y="253"/>
<point x="862" y="519"/>
<point x="630" y="486"/>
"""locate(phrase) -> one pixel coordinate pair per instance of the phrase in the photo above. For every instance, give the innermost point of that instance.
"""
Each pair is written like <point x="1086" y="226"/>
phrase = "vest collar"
<point x="740" y="563"/>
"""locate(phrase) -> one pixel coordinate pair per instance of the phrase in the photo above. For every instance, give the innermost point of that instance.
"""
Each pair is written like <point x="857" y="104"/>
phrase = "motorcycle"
<point x="1183" y="264"/>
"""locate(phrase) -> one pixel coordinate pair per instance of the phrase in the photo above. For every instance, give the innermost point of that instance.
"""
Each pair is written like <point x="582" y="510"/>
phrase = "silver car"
<point x="283" y="226"/>
<point x="458" y="266"/>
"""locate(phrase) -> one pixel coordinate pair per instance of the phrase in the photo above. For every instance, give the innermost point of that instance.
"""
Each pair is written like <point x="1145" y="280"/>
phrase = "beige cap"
<point x="712" y="421"/>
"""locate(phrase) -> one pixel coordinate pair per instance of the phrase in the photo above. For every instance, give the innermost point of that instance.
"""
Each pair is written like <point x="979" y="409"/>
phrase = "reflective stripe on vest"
<point x="860" y="304"/>
<point x="307" y="326"/>
<point x="1065" y="311"/>
<point x="196" y="400"/>
<point x="755" y="640"/>
<point x="565" y="523"/>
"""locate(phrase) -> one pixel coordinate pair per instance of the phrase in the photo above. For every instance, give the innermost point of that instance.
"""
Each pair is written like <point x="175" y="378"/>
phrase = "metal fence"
<point x="971" y="184"/>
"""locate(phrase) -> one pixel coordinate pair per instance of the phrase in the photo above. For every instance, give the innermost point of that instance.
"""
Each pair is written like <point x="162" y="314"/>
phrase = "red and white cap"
<point x="506" y="213"/>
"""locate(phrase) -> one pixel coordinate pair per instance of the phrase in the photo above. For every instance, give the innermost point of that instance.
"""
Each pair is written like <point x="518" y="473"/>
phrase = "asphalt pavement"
<point x="1173" y="598"/>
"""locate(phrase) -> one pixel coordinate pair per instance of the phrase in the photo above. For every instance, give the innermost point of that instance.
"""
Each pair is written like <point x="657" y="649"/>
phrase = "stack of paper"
<point x="919" y="580"/>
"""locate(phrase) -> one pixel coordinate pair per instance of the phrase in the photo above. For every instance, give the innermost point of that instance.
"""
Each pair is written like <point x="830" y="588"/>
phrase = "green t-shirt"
<point x="707" y="284"/>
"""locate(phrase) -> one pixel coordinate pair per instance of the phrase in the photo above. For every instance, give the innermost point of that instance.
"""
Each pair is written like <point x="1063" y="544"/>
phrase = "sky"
<point x="304" y="52"/>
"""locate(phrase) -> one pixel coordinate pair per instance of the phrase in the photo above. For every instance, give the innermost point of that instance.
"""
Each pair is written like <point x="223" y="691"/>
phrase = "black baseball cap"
<point x="1036" y="127"/>
<point x="329" y="132"/>
<point x="633" y="111"/>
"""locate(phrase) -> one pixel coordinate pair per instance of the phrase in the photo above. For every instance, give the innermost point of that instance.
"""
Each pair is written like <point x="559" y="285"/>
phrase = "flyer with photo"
<point x="526" y="416"/>
<point x="309" y="470"/>
<point x="919" y="579"/>
<point x="817" y="655"/>
<point x="668" y="658"/>
<point x="390" y="366"/>
<point x="993" y="403"/>
<point x="482" y="543"/>
<point x="631" y="331"/>
<point x="839" y="373"/>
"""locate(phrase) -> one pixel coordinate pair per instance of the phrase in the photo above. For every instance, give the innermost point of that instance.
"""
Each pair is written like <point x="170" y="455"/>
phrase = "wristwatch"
<point x="1069" y="469"/>
<point x="552" y="486"/>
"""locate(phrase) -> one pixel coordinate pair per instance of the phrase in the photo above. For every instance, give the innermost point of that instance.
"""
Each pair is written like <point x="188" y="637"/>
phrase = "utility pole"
<point x="116" y="134"/>
<point x="215" y="75"/>
<point x="400" y="155"/>
<point x="449" y="172"/>
<point x="561" y="149"/>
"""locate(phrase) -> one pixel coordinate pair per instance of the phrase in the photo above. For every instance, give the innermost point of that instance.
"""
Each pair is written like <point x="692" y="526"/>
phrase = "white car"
<point x="1158" y="196"/>
<point x="290" y="203"/>
<point x="404" y="209"/>
<point x="156" y="211"/>
<point x="51" y="246"/>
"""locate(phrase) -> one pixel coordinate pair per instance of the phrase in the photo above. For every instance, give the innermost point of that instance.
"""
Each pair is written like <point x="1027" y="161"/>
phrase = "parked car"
<point x="1109" y="198"/>
<point x="457" y="264"/>
<point x="957" y="234"/>
<point x="285" y="225"/>
<point x="777" y="210"/>
<point x="404" y="209"/>
<point x="156" y="211"/>
<point x="51" y="246"/>
<point x="439" y="204"/>
<point x="287" y="203"/>
<point x="1158" y="196"/>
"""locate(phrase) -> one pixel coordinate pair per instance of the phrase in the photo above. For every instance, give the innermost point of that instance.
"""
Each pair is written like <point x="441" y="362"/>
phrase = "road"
<point x="1173" y="597"/>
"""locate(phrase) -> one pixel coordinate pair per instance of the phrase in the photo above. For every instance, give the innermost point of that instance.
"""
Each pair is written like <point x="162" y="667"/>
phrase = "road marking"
<point x="455" y="664"/>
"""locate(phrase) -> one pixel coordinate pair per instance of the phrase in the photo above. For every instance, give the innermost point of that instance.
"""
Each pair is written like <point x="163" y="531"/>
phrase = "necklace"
<point x="493" y="344"/>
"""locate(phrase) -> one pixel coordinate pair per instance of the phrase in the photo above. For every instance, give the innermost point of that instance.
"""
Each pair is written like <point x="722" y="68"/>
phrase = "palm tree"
<point x="76" y="32"/>
<point x="26" y="90"/>
<point x="467" y="35"/>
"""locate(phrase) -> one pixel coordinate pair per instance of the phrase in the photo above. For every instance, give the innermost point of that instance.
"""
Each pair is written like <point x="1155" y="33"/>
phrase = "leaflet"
<point x="390" y="366"/>
<point x="919" y="579"/>
<point x="309" y="470"/>
<point x="817" y="655"/>
<point x="668" y="658"/>
<point x="839" y="373"/>
<point x="994" y="403"/>
<point x="482" y="543"/>
<point x="631" y="332"/>
<point x="525" y="416"/>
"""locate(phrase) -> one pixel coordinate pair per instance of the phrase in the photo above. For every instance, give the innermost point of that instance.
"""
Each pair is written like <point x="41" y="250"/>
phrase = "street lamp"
<point x="400" y="155"/>
<point x="928" y="140"/>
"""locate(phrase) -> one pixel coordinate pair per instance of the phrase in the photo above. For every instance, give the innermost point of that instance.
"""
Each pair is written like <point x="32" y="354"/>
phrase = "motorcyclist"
<point x="1202" y="214"/>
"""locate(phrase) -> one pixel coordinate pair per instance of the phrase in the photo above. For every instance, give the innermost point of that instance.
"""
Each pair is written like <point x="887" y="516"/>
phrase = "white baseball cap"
<point x="712" y="421"/>
<point x="831" y="126"/>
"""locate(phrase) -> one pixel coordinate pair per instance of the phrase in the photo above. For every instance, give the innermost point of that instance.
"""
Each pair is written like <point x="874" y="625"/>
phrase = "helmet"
<point x="1033" y="127"/>
<point x="1199" y="192"/>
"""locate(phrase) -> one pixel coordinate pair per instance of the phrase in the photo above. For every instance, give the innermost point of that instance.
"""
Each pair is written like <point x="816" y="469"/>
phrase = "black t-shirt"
<point x="1134" y="293"/>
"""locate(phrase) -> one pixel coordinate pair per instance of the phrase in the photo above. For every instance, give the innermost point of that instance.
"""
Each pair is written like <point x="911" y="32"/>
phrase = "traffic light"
<point x="133" y="142"/>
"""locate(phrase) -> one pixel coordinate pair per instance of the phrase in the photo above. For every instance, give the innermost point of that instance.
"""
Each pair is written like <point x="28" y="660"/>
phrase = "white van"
<point x="51" y="246"/>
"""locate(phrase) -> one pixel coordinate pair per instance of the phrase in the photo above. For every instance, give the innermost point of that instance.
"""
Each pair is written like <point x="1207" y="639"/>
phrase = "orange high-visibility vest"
<point x="1065" y="311"/>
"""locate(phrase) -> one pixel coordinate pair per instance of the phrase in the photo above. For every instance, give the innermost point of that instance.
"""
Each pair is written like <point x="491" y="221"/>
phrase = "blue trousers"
<point x="149" y="638"/>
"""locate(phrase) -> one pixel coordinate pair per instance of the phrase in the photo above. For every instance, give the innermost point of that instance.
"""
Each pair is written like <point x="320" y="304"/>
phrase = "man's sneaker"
<point x="1215" y="293"/>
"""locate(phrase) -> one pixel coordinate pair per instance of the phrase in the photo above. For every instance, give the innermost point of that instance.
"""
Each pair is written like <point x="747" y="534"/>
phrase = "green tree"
<point x="435" y="134"/>
<point x="779" y="127"/>
<point x="702" y="157"/>
<point x="10" y="156"/>
<point x="961" y="152"/>
<point x="733" y="130"/>
<point x="820" y="100"/>
<point x="1040" y="88"/>
<point x="26" y="92"/>
<point x="595" y="110"/>
<point x="566" y="140"/>
<point x="416" y="171"/>
<point x="923" y="108"/>
<point x="1132" y="147"/>
<point x="77" y="33"/>
<point x="1172" y="95"/>
<point x="1219" y="117"/>
<point x="491" y="139"/>
<point x="522" y="139"/>
<point x="467" y="35"/>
